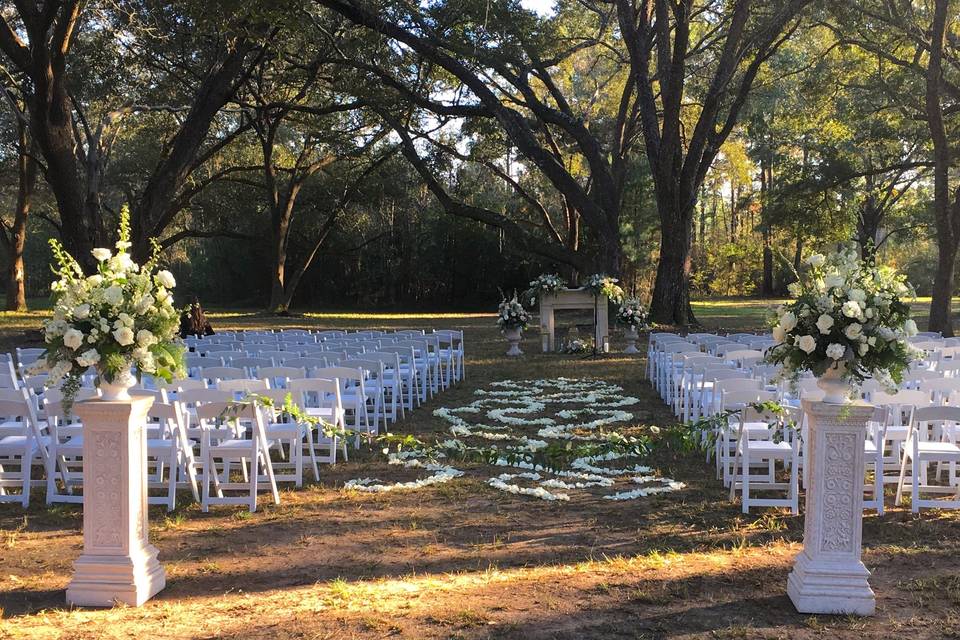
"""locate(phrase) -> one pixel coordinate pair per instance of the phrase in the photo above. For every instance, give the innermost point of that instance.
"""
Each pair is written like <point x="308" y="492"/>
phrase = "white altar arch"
<point x="566" y="299"/>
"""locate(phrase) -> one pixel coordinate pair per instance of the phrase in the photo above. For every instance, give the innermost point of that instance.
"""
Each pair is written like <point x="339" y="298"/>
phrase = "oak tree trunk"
<point x="671" y="291"/>
<point x="27" y="179"/>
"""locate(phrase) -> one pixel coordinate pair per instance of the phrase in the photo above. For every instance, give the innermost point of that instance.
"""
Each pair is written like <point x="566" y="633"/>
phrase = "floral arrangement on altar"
<point x="632" y="314"/>
<point x="545" y="283"/>
<point x="512" y="315"/>
<point x="850" y="317"/>
<point x="600" y="284"/>
<point x="118" y="319"/>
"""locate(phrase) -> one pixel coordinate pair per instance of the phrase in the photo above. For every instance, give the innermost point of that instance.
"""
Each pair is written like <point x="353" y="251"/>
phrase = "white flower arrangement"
<point x="118" y="319"/>
<point x="848" y="315"/>
<point x="602" y="285"/>
<point x="632" y="314"/>
<point x="512" y="315"/>
<point x="544" y="284"/>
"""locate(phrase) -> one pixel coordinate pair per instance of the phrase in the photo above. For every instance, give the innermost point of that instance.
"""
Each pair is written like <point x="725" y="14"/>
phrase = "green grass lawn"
<point x="727" y="314"/>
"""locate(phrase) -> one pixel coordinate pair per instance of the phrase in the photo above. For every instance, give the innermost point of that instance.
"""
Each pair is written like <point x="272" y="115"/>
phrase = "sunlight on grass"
<point x="419" y="595"/>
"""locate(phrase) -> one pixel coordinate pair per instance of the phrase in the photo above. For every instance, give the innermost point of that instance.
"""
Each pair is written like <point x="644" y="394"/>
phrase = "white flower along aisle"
<point x="513" y="420"/>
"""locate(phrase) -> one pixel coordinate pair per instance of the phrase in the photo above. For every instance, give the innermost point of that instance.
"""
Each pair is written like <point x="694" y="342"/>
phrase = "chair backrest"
<point x="215" y="419"/>
<point x="315" y="385"/>
<point x="37" y="383"/>
<point x="937" y="414"/>
<point x="371" y="367"/>
<point x="735" y="384"/>
<point x="276" y="356"/>
<point x="738" y="355"/>
<point x="8" y="381"/>
<point x="211" y="374"/>
<point x="719" y="377"/>
<point x="216" y="348"/>
<point x="243" y="386"/>
<point x="344" y="374"/>
<point x="741" y="397"/>
<point x="203" y="396"/>
<point x="248" y="362"/>
<point x="200" y="360"/>
<point x="913" y="397"/>
<point x="307" y="364"/>
<point x="677" y="347"/>
<point x="277" y="373"/>
<point x="902" y="404"/>
<point x="314" y="392"/>
<point x="938" y="389"/>
<point x="184" y="384"/>
<point x="307" y="349"/>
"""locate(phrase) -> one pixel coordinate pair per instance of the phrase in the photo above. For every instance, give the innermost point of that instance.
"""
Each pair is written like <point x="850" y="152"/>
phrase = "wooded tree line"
<point x="384" y="152"/>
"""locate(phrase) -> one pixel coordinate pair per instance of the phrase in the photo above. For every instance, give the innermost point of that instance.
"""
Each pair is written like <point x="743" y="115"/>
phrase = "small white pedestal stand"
<point x="118" y="564"/>
<point x="828" y="576"/>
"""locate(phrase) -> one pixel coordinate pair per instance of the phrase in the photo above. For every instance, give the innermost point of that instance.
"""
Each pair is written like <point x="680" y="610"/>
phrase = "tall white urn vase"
<point x="513" y="335"/>
<point x="631" y="335"/>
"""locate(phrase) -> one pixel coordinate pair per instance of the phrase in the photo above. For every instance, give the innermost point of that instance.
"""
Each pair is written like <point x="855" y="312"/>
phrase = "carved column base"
<point x="103" y="581"/>
<point x="830" y="587"/>
<point x="828" y="576"/>
<point x="118" y="564"/>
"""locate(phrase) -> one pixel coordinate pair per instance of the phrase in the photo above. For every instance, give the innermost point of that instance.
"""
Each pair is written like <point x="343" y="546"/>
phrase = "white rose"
<point x="88" y="358"/>
<point x="835" y="351"/>
<point x="101" y="254"/>
<point x="853" y="331"/>
<point x="834" y="281"/>
<point x="868" y="312"/>
<point x="872" y="341"/>
<point x="779" y="335"/>
<point x="825" y="323"/>
<point x="145" y="338"/>
<point x="857" y="294"/>
<point x="788" y="321"/>
<point x="910" y="327"/>
<point x="851" y="309"/>
<point x="113" y="295"/>
<point x="123" y="336"/>
<point x="95" y="280"/>
<point x="72" y="339"/>
<point x="807" y="344"/>
<point x="81" y="311"/>
<point x="863" y="348"/>
<point x="144" y="304"/>
<point x="165" y="278"/>
<point x="816" y="260"/>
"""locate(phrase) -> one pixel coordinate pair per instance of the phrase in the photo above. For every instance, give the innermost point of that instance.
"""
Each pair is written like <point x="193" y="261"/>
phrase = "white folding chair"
<point x="227" y="443"/>
<point x="22" y="442"/>
<point x="932" y="439"/>
<point x="756" y="447"/>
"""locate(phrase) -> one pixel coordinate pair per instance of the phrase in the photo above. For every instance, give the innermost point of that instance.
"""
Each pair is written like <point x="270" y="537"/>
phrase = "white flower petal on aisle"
<point x="512" y="405"/>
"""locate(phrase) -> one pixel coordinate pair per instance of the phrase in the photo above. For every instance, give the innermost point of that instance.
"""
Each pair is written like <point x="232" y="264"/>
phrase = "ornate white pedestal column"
<point x="828" y="576"/>
<point x="118" y="563"/>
